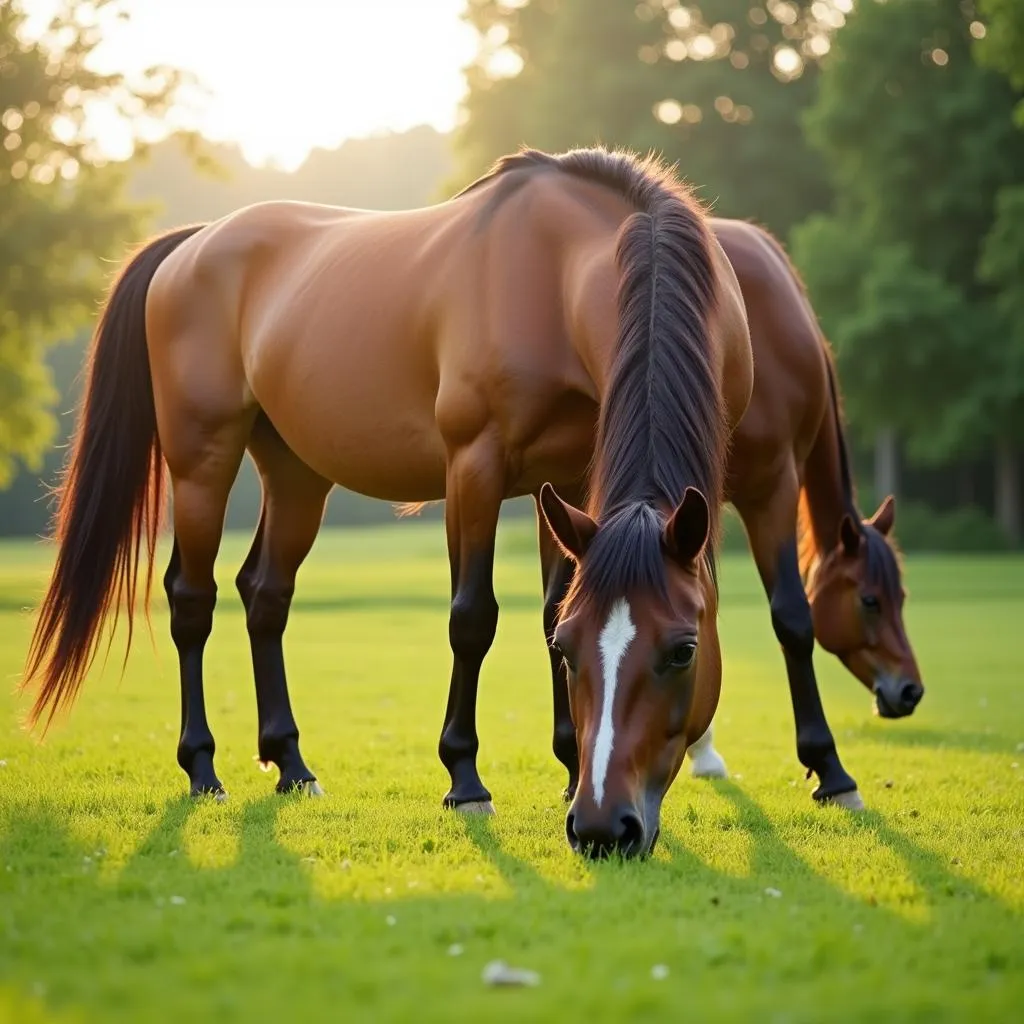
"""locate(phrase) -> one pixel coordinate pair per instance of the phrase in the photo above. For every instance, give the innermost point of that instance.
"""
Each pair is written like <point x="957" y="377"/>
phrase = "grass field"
<point x="121" y="900"/>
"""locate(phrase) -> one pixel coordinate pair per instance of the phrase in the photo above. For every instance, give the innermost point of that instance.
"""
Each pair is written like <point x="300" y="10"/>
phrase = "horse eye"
<point x="870" y="603"/>
<point x="682" y="656"/>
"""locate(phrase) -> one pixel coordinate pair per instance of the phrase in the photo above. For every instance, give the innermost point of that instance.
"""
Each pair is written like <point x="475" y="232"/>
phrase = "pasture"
<point x="122" y="900"/>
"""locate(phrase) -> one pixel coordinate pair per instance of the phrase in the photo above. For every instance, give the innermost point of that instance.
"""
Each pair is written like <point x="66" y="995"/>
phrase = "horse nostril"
<point x="570" y="830"/>
<point x="631" y="836"/>
<point x="911" y="694"/>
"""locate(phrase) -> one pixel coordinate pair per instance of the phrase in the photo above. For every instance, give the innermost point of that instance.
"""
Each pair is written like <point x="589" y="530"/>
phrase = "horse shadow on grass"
<point x="164" y="937"/>
<point x="905" y="734"/>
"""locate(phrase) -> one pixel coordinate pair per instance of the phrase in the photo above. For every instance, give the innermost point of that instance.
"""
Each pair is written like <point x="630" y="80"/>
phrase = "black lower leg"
<point x="791" y="618"/>
<point x="266" y="607"/>
<point x="558" y="577"/>
<point x="191" y="623"/>
<point x="471" y="629"/>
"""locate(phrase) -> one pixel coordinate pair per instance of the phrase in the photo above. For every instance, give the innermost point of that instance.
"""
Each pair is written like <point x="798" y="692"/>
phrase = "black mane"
<point x="661" y="425"/>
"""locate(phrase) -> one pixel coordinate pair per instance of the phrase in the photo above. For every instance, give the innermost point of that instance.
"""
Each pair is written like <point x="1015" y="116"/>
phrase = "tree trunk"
<point x="886" y="464"/>
<point x="1008" y="489"/>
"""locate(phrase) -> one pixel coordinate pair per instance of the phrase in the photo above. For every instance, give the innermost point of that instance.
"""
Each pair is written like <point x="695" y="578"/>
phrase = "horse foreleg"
<point x="772" y="532"/>
<point x="475" y="486"/>
<point x="293" y="507"/>
<point x="556" y="571"/>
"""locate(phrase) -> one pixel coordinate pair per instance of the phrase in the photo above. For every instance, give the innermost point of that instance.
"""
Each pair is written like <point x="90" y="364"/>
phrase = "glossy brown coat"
<point x="457" y="352"/>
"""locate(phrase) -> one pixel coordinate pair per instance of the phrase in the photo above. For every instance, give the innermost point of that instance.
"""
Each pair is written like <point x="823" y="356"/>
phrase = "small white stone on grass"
<point x="391" y="920"/>
<point x="178" y="901"/>
<point x="498" y="973"/>
<point x="774" y="893"/>
<point x="455" y="949"/>
<point x="3" y="764"/>
<point x="659" y="972"/>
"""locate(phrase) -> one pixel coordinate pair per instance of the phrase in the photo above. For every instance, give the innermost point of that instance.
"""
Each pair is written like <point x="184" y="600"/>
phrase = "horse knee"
<point x="473" y="624"/>
<point x="792" y="622"/>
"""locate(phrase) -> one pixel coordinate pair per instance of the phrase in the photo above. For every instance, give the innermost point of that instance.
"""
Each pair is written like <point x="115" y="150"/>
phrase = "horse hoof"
<point x="476" y="807"/>
<point x="310" y="788"/>
<point x="709" y="764"/>
<point x="850" y="800"/>
<point x="219" y="795"/>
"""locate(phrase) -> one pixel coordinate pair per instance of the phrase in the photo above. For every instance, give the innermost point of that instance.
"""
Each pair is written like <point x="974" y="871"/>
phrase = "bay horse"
<point x="471" y="352"/>
<point x="829" y="574"/>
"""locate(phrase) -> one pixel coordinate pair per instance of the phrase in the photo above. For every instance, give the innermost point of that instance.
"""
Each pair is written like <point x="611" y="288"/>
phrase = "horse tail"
<point x="111" y="494"/>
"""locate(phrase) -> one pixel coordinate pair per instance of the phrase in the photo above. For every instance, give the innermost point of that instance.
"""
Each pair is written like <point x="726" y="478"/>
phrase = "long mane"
<point x="661" y="426"/>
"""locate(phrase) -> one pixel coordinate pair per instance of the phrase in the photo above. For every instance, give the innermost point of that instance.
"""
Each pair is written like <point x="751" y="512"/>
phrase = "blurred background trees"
<point x="883" y="143"/>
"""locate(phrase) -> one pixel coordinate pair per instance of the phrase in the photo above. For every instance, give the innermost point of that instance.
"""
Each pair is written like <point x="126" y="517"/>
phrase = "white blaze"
<point x="615" y="638"/>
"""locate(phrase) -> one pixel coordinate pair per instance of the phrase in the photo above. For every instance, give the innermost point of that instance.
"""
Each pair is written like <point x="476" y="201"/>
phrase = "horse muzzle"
<point x="896" y="697"/>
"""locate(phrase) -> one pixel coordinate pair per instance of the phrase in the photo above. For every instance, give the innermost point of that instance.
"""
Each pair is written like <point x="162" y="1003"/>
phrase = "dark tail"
<point x="110" y="498"/>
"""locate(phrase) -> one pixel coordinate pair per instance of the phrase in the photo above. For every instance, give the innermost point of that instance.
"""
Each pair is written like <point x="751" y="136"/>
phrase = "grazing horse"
<point x="789" y="476"/>
<point x="469" y="351"/>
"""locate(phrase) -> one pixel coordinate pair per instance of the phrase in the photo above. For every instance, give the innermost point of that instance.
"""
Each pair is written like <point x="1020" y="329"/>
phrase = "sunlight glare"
<point x="281" y="79"/>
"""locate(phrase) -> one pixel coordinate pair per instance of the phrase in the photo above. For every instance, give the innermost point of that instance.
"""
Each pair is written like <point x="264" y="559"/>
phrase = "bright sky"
<point x="284" y="76"/>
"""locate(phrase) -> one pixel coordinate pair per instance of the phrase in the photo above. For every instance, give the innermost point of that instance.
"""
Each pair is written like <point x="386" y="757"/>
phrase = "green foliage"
<point x="1002" y="266"/>
<point x="389" y="172"/>
<point x="1002" y="45"/>
<point x="700" y="85"/>
<point x="964" y="529"/>
<point x="919" y="141"/>
<point x="63" y="207"/>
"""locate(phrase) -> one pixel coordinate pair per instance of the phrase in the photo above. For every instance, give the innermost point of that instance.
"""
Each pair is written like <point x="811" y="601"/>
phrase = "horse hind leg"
<point x="290" y="518"/>
<point x="203" y="464"/>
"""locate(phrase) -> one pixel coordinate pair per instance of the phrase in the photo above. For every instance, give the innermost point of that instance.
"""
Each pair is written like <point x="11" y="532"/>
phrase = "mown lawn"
<point x="121" y="900"/>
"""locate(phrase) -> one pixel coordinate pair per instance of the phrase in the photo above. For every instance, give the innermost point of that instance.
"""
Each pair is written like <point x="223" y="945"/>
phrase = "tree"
<point x="719" y="88"/>
<point x="1001" y="43"/>
<point x="63" y="208"/>
<point x="919" y="141"/>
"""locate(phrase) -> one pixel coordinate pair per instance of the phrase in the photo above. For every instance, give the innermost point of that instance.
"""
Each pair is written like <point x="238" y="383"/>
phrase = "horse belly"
<point x="366" y="433"/>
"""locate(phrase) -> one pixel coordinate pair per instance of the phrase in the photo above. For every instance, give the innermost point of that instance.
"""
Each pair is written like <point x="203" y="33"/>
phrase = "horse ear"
<point x="571" y="528"/>
<point x="884" y="518"/>
<point x="849" y="535"/>
<point x="686" y="531"/>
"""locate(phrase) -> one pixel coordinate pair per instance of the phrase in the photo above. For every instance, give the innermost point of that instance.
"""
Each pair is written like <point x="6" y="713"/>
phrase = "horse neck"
<point x="828" y="492"/>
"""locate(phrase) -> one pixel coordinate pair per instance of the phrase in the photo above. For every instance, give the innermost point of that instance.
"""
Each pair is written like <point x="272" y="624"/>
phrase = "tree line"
<point x="882" y="142"/>
<point x="877" y="141"/>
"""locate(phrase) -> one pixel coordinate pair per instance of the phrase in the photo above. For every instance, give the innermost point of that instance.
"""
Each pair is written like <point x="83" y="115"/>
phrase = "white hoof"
<point x="709" y="764"/>
<point x="705" y="761"/>
<point x="476" y="807"/>
<point x="311" y="788"/>
<point x="851" y="801"/>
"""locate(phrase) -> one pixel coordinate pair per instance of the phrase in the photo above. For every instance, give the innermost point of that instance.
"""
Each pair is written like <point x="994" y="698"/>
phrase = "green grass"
<point x="346" y="908"/>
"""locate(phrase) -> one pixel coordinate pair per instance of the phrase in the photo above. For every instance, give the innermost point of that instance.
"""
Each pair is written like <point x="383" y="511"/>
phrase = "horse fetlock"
<point x="282" y="749"/>
<point x="816" y="750"/>
<point x="833" y="778"/>
<point x="197" y="763"/>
